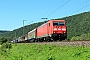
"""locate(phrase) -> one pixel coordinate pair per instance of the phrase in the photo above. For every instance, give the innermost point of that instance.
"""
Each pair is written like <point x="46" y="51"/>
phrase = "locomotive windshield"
<point x="58" y="23"/>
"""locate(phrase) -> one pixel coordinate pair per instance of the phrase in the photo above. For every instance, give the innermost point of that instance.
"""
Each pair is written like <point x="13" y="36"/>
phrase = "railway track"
<point x="67" y="43"/>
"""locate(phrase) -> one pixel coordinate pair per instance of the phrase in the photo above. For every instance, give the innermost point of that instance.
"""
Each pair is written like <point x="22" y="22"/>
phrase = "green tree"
<point x="3" y="40"/>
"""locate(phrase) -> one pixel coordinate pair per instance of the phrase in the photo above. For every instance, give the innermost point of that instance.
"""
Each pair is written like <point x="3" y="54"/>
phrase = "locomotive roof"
<point x="50" y="20"/>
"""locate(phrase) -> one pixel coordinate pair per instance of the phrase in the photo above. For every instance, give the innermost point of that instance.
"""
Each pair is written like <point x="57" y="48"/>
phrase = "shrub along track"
<point x="67" y="43"/>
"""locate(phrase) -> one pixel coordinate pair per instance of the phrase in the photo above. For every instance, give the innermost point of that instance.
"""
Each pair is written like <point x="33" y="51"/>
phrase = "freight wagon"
<point x="29" y="37"/>
<point x="32" y="35"/>
<point x="20" y="39"/>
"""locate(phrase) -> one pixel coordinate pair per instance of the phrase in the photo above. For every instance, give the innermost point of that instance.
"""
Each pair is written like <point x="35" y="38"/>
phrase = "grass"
<point x="45" y="52"/>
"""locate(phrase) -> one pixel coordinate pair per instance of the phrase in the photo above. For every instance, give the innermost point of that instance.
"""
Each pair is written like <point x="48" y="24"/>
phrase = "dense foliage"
<point x="46" y="52"/>
<point x="82" y="37"/>
<point x="3" y="31"/>
<point x="3" y="40"/>
<point x="76" y="26"/>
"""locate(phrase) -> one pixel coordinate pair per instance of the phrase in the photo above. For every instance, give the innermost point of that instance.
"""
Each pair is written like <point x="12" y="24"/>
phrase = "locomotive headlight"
<point x="63" y="29"/>
<point x="59" y="29"/>
<point x="54" y="29"/>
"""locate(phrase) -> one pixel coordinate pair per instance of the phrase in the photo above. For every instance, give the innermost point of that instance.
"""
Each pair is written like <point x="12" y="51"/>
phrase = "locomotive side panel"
<point x="42" y="31"/>
<point x="50" y="28"/>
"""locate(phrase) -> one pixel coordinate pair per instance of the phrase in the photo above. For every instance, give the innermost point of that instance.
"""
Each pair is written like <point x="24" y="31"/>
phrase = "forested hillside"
<point x="76" y="26"/>
<point x="3" y="31"/>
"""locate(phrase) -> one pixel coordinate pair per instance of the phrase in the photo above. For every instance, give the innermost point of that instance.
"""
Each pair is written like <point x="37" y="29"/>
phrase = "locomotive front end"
<point x="59" y="29"/>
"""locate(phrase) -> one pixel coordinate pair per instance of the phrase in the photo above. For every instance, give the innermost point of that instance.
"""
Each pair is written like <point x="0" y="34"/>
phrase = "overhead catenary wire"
<point x="58" y="8"/>
<point x="81" y="4"/>
<point x="72" y="12"/>
<point x="81" y="8"/>
<point x="53" y="7"/>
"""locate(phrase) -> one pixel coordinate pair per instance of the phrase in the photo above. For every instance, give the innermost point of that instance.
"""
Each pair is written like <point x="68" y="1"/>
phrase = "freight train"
<point x="50" y="31"/>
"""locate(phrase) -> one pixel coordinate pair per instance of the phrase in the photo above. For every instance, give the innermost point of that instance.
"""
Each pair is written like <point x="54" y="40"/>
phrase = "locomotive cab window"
<point x="55" y="23"/>
<point x="61" y="23"/>
<point x="58" y="23"/>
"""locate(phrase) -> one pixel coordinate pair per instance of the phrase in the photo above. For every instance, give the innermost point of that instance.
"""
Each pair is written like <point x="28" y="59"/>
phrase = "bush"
<point x="5" y="50"/>
<point x="3" y="40"/>
<point x="82" y="37"/>
<point x="76" y="38"/>
<point x="6" y="46"/>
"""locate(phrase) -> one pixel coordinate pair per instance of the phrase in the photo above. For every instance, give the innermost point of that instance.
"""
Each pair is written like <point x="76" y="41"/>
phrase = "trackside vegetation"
<point x="82" y="37"/>
<point x="45" y="52"/>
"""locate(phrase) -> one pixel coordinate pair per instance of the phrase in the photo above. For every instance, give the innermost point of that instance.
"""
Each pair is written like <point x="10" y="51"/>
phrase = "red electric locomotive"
<point x="52" y="30"/>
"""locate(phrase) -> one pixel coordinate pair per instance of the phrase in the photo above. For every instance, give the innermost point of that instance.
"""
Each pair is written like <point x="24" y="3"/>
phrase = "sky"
<point x="13" y="12"/>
